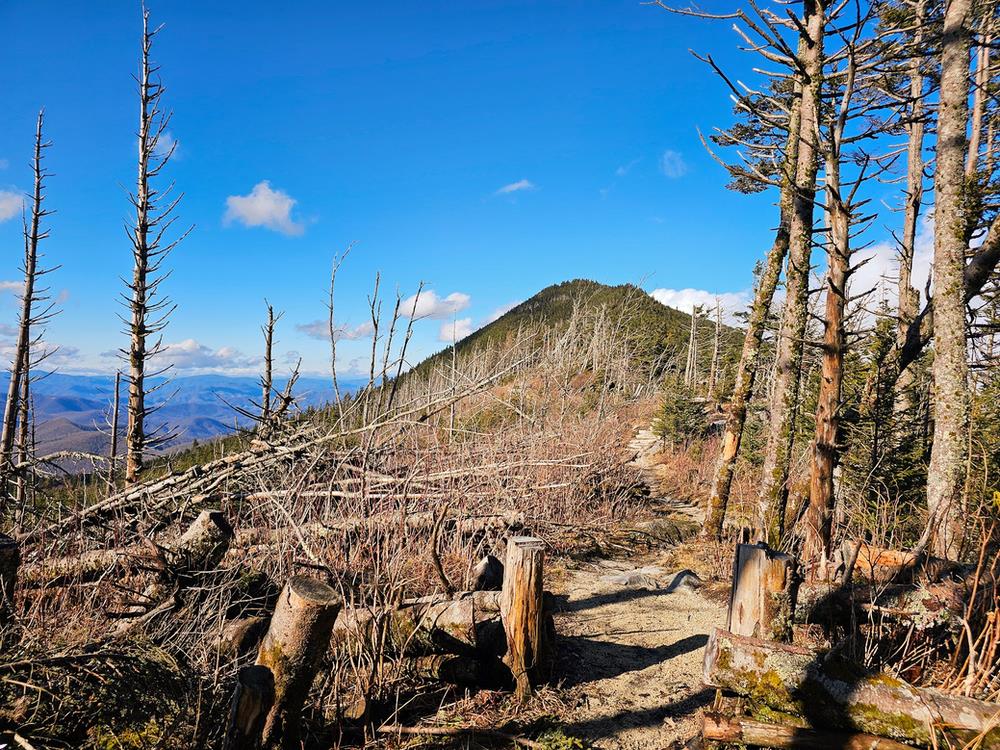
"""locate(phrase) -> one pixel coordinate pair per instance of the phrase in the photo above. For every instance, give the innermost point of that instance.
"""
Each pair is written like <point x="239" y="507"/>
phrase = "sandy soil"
<point x="632" y="636"/>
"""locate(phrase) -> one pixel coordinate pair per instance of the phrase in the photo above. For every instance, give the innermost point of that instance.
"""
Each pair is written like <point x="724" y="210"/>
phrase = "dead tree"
<point x="946" y="474"/>
<point x="713" y="372"/>
<point x="785" y="396"/>
<point x="154" y="216"/>
<point x="691" y="367"/>
<point x="30" y="296"/>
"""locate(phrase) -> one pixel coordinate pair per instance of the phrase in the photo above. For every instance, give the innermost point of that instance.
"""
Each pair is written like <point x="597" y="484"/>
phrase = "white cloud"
<point x="515" y="187"/>
<point x="429" y="305"/>
<point x="455" y="330"/>
<point x="686" y="299"/>
<point x="10" y="204"/>
<point x="166" y="142"/>
<point x="263" y="207"/>
<point x="881" y="271"/>
<point x="320" y="329"/>
<point x="14" y="287"/>
<point x="501" y="311"/>
<point x="672" y="164"/>
<point x="624" y="169"/>
<point x="192" y="355"/>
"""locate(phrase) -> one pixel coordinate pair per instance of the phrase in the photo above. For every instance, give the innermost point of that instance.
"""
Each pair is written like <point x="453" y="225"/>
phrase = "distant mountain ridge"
<point x="72" y="411"/>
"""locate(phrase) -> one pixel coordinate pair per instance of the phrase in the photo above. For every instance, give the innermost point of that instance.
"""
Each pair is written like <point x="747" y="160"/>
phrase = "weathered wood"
<point x="763" y="593"/>
<point x="487" y="575"/>
<point x="252" y="700"/>
<point x="10" y="561"/>
<point x="466" y="671"/>
<point x="833" y="694"/>
<point x="241" y="636"/>
<point x="466" y="624"/>
<point x="298" y="635"/>
<point x="521" y="612"/>
<point x="742" y="731"/>
<point x="203" y="545"/>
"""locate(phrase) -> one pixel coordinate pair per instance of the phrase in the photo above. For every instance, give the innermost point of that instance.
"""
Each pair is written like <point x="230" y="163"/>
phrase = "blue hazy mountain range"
<point x="72" y="411"/>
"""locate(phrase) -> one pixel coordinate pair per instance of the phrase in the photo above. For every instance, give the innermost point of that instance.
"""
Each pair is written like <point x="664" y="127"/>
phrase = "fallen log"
<point x="467" y="624"/>
<point x="830" y="693"/>
<point x="741" y="731"/>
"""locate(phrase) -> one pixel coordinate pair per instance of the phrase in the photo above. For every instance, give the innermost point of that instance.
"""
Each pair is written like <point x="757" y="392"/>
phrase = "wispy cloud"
<point x="672" y="164"/>
<point x="320" y="330"/>
<point x="624" y="169"/>
<point x="168" y="144"/>
<point x="10" y="204"/>
<point x="516" y="187"/>
<point x="14" y="287"/>
<point x="4" y="163"/>
<point x="190" y="354"/>
<point x="455" y="330"/>
<point x="685" y="300"/>
<point x="263" y="207"/>
<point x="430" y="305"/>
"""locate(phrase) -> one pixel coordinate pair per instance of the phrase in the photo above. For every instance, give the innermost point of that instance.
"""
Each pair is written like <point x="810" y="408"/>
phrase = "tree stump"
<point x="298" y="636"/>
<point x="762" y="598"/>
<point x="521" y="612"/>
<point x="10" y="560"/>
<point x="204" y="543"/>
<point x="252" y="701"/>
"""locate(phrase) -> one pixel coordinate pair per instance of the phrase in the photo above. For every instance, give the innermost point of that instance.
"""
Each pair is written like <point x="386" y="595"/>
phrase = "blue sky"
<point x="486" y="148"/>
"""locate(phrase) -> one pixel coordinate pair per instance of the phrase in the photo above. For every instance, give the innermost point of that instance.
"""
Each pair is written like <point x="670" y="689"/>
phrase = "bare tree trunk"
<point x="147" y="314"/>
<point x="22" y="442"/>
<point x="115" y="408"/>
<point x="714" y="371"/>
<point x="690" y="370"/>
<point x="22" y="347"/>
<point x="746" y="370"/>
<point x="946" y="474"/>
<point x="785" y="397"/>
<point x="819" y="515"/>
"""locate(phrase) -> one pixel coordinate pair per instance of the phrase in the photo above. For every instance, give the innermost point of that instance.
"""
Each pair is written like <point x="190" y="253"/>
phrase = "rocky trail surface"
<point x="632" y="635"/>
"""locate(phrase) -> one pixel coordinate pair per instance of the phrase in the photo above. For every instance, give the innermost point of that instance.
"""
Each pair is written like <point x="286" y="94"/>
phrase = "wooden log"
<point x="252" y="700"/>
<point x="742" y="731"/>
<point x="241" y="636"/>
<point x="880" y="564"/>
<point x="762" y="597"/>
<point x="467" y="671"/>
<point x="10" y="561"/>
<point x="467" y="624"/>
<point x="487" y="575"/>
<point x="298" y="636"/>
<point x="833" y="694"/>
<point x="203" y="545"/>
<point x="521" y="612"/>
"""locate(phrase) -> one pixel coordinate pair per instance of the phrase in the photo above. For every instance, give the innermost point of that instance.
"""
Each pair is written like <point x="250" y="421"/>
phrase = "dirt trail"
<point x="632" y="635"/>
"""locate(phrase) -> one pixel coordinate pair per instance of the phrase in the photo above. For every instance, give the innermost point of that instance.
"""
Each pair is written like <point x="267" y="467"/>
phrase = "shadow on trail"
<point x="587" y="659"/>
<point x="610" y="597"/>
<point x="598" y="728"/>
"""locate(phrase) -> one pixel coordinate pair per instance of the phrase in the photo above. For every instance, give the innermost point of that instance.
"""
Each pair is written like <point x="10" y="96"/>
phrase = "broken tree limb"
<point x="298" y="635"/>
<point x="521" y="612"/>
<point x="762" y="597"/>
<point x="10" y="561"/>
<point x="741" y="731"/>
<point x="252" y="700"/>
<point x="833" y="694"/>
<point x="203" y="545"/>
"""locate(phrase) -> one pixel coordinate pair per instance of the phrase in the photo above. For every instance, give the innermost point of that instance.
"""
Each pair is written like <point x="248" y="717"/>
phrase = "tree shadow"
<point x="585" y="659"/>
<point x="598" y="728"/>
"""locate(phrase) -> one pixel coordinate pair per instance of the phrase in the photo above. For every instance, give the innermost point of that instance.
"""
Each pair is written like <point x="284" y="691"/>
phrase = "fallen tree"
<point x="743" y="731"/>
<point x="832" y="694"/>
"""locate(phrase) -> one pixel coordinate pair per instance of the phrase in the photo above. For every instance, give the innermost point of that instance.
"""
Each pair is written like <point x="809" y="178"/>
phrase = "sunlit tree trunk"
<point x="784" y="401"/>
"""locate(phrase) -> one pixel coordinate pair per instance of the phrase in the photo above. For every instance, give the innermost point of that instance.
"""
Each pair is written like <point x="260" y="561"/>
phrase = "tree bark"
<point x="746" y="370"/>
<point x="802" y="682"/>
<point x="296" y="639"/>
<point x="784" y="402"/>
<point x="743" y="731"/>
<point x="22" y="346"/>
<point x="946" y="473"/>
<point x="252" y="701"/>
<point x="10" y="561"/>
<point x="521" y="611"/>
<point x="762" y="597"/>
